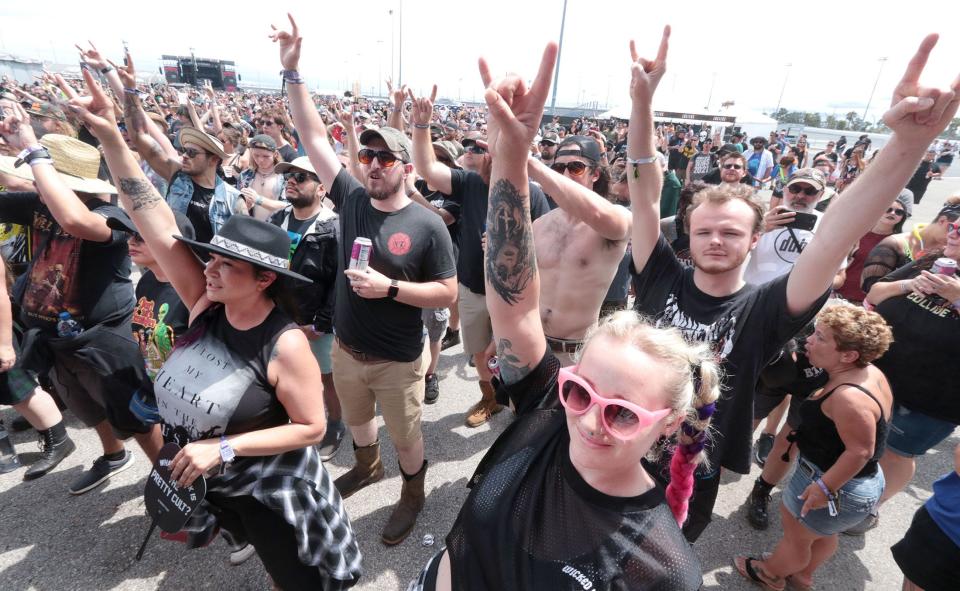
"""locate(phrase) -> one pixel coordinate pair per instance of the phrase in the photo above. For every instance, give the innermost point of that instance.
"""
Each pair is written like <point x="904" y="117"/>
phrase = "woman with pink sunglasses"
<point x="561" y="500"/>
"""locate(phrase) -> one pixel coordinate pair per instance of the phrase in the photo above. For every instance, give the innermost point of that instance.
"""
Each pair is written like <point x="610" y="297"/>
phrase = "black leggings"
<point x="275" y="542"/>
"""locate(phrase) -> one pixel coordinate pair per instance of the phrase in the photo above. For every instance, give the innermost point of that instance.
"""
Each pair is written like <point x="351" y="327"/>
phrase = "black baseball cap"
<point x="589" y="147"/>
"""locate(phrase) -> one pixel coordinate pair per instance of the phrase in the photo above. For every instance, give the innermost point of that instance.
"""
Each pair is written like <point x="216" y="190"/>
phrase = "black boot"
<point x="55" y="445"/>
<point x="758" y="504"/>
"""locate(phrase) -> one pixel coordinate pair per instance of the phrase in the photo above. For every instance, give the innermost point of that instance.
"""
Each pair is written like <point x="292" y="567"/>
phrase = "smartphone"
<point x="803" y="221"/>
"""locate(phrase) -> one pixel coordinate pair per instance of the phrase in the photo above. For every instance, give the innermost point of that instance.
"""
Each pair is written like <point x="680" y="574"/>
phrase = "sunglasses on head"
<point x="474" y="149"/>
<point x="191" y="152"/>
<point x="575" y="168"/>
<point x="896" y="210"/>
<point x="733" y="166"/>
<point x="621" y="419"/>
<point x="387" y="159"/>
<point x="299" y="177"/>
<point x="808" y="191"/>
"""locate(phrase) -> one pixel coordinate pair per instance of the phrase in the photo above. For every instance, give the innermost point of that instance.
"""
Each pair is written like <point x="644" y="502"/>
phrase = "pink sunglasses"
<point x="622" y="419"/>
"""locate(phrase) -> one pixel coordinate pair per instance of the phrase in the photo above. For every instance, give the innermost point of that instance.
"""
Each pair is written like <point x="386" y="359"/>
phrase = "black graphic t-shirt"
<point x="215" y="380"/>
<point x="198" y="212"/>
<point x="90" y="280"/>
<point x="159" y="319"/>
<point x="747" y="330"/>
<point x="471" y="193"/>
<point x="532" y="522"/>
<point x="295" y="229"/>
<point x="441" y="201"/>
<point x="411" y="244"/>
<point x="921" y="363"/>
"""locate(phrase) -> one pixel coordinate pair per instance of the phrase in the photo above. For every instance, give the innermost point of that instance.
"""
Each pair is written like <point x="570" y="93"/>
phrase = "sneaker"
<point x="100" y="472"/>
<point x="241" y="555"/>
<point x="758" y="506"/>
<point x="762" y="449"/>
<point x="330" y="444"/>
<point x="872" y="521"/>
<point x="450" y="339"/>
<point x="432" y="390"/>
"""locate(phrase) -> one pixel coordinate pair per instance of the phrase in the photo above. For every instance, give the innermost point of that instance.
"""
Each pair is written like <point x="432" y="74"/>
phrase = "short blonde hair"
<point x="720" y="194"/>
<point x="857" y="329"/>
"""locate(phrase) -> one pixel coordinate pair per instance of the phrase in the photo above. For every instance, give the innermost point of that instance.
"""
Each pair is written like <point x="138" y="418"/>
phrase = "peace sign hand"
<point x="920" y="113"/>
<point x="289" y="44"/>
<point x="646" y="74"/>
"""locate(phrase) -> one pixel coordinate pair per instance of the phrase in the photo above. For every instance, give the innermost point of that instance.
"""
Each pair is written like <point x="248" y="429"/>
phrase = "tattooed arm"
<point x="512" y="281"/>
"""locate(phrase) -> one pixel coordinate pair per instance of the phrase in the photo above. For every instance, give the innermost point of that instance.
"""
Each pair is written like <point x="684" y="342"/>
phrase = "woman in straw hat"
<point x="237" y="392"/>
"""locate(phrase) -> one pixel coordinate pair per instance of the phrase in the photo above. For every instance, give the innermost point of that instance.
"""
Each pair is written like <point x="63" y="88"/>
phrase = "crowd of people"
<point x="620" y="288"/>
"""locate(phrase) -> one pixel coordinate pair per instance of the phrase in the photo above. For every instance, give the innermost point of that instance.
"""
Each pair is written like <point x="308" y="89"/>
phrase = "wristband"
<point x="29" y="153"/>
<point x="831" y="498"/>
<point x="258" y="201"/>
<point x="291" y="77"/>
<point x="639" y="161"/>
<point x="422" y="125"/>
<point x="956" y="305"/>
<point x="905" y="286"/>
<point x="106" y="70"/>
<point x="38" y="160"/>
<point x="131" y="91"/>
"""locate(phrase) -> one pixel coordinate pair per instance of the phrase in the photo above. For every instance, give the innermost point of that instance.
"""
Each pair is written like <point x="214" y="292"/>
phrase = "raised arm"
<point x="346" y="119"/>
<point x="512" y="281"/>
<point x="67" y="209"/>
<point x="151" y="214"/>
<point x="436" y="174"/>
<point x="613" y="222"/>
<point x="92" y="58"/>
<point x="143" y="132"/>
<point x="395" y="120"/>
<point x="644" y="176"/>
<point x="313" y="133"/>
<point x="917" y="116"/>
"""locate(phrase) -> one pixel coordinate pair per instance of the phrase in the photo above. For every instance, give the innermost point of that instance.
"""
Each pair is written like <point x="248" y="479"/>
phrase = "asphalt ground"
<point x="50" y="540"/>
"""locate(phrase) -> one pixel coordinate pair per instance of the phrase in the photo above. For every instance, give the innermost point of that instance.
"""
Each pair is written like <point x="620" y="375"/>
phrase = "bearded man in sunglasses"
<point x="378" y="352"/>
<point x="579" y="245"/>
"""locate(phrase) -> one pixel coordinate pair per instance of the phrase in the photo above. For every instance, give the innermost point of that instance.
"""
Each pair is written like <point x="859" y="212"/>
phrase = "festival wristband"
<point x="422" y="125"/>
<point x="35" y="161"/>
<point x="106" y="70"/>
<point x="29" y="154"/>
<point x="291" y="77"/>
<point x="131" y="91"/>
<point x="639" y="161"/>
<point x="831" y="498"/>
<point x="905" y="286"/>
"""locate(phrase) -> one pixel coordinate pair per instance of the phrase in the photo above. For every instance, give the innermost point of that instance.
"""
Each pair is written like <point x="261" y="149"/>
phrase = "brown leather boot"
<point x="481" y="412"/>
<point x="366" y="471"/>
<point x="404" y="515"/>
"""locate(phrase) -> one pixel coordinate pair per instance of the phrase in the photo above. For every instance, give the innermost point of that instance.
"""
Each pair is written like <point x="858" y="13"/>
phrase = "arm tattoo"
<point x="133" y="113"/>
<point x="510" y="262"/>
<point x="141" y="192"/>
<point x="512" y="369"/>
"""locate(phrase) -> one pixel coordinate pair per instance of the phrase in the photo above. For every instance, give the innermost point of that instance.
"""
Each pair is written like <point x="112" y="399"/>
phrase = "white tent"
<point x="754" y="123"/>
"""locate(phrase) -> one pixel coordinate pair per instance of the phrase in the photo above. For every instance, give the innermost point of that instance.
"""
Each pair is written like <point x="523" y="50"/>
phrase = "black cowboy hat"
<point x="248" y="239"/>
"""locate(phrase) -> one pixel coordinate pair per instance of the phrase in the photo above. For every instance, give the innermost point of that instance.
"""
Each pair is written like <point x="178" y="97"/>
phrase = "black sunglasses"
<point x="896" y="210"/>
<point x="191" y="152"/>
<point x="474" y="149"/>
<point x="575" y="168"/>
<point x="299" y="177"/>
<point x="733" y="166"/>
<point x="387" y="159"/>
<point x="808" y="191"/>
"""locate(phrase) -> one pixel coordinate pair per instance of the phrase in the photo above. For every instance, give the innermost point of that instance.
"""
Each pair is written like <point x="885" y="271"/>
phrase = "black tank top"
<point x="818" y="439"/>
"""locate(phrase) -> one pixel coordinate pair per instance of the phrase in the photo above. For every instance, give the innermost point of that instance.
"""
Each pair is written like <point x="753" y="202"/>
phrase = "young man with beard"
<point x="731" y="169"/>
<point x="579" y="246"/>
<point x="548" y="147"/>
<point x="195" y="188"/>
<point x="313" y="231"/>
<point x="470" y="188"/>
<point x="378" y="355"/>
<point x="749" y="324"/>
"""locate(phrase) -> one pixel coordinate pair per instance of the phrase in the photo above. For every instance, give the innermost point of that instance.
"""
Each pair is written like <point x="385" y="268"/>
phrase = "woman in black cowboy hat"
<point x="238" y="390"/>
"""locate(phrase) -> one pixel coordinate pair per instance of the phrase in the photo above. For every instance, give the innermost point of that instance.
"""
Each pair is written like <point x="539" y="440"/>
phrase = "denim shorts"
<point x="858" y="497"/>
<point x="912" y="433"/>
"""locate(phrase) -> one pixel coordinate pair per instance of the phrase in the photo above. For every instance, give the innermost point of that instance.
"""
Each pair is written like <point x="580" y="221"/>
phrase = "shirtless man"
<point x="579" y="245"/>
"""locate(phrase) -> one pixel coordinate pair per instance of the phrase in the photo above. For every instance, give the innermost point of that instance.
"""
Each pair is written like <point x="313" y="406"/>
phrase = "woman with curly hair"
<point x="841" y="436"/>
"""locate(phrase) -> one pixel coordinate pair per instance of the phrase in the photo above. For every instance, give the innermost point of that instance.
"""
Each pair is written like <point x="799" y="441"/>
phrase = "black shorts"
<point x="927" y="556"/>
<point x="767" y="399"/>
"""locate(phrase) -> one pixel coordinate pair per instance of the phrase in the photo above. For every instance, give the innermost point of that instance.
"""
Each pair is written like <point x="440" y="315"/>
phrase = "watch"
<point x="30" y="154"/>
<point x="394" y="289"/>
<point x="227" y="455"/>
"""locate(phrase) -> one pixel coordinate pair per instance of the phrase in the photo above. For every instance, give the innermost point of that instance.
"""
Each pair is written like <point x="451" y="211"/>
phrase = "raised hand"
<point x="344" y="115"/>
<point x="15" y="127"/>
<point x="289" y="44"/>
<point x="96" y="110"/>
<point x="646" y="74"/>
<point x="127" y="73"/>
<point x="515" y="110"/>
<point x="921" y="112"/>
<point x="91" y="56"/>
<point x="399" y="94"/>
<point x="422" y="113"/>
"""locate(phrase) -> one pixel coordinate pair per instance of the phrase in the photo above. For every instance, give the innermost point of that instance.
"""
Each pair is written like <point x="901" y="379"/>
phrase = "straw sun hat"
<point x="78" y="164"/>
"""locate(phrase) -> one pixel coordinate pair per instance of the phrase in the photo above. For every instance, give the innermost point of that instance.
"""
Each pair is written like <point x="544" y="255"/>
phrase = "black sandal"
<point x="747" y="571"/>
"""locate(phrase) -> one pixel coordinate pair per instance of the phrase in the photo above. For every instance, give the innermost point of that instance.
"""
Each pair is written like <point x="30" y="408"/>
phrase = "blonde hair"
<point x="857" y="329"/>
<point x="692" y="386"/>
<point x="720" y="194"/>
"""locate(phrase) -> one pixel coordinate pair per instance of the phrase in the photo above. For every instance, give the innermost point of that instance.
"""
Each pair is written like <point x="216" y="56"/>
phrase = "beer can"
<point x="944" y="266"/>
<point x="360" y="256"/>
<point x="493" y="364"/>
